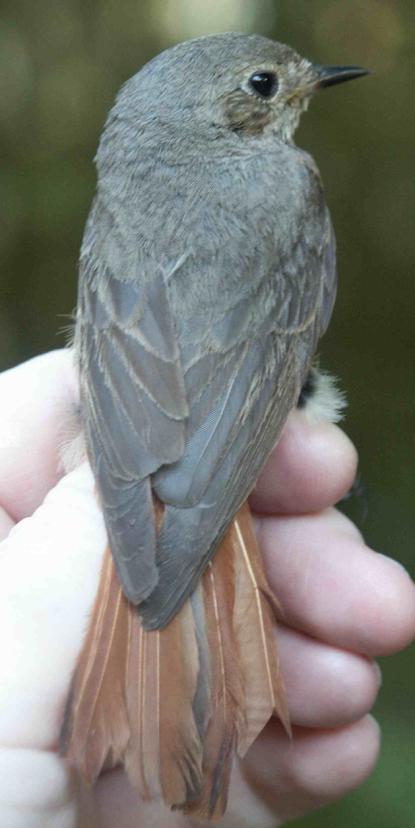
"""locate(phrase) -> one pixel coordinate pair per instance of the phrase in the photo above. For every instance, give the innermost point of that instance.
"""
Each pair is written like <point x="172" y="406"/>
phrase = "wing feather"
<point x="226" y="449"/>
<point x="186" y="382"/>
<point x="133" y="400"/>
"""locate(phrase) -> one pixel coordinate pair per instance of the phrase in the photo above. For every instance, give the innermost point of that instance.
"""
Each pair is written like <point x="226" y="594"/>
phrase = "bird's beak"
<point x="322" y="76"/>
<point x="331" y="75"/>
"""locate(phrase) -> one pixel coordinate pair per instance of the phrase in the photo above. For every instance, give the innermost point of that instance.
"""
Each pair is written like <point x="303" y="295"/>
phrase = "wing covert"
<point x="132" y="396"/>
<point x="239" y="398"/>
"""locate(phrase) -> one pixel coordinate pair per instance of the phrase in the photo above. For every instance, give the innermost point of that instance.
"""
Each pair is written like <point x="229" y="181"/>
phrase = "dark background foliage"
<point x="60" y="66"/>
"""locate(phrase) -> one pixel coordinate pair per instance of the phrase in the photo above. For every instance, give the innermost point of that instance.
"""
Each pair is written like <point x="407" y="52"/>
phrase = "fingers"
<point x="49" y="569"/>
<point x="316" y="768"/>
<point x="325" y="686"/>
<point x="36" y="398"/>
<point x="332" y="587"/>
<point x="312" y="467"/>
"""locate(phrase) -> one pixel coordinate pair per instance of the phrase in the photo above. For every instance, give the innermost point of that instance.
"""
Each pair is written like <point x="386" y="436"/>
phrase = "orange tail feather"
<point x="174" y="705"/>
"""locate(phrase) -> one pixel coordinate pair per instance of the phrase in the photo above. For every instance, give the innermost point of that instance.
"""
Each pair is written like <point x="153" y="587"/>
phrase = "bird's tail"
<point x="174" y="705"/>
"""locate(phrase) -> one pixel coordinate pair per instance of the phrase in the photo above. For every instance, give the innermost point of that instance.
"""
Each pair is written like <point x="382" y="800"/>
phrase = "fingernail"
<point x="370" y="718"/>
<point x="397" y="564"/>
<point x="378" y="674"/>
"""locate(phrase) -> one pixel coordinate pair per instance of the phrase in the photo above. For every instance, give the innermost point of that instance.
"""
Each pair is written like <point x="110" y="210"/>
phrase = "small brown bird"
<point x="207" y="277"/>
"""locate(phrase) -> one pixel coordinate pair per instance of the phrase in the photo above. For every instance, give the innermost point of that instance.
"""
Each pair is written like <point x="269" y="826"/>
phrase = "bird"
<point x="207" y="277"/>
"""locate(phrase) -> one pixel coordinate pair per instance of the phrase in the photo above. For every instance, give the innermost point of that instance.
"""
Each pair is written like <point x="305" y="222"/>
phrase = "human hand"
<point x="342" y="605"/>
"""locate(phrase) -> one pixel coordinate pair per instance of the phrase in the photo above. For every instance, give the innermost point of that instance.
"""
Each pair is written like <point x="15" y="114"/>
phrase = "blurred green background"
<point x="60" y="66"/>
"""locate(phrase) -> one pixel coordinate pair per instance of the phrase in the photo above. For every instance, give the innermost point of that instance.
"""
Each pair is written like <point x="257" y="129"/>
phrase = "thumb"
<point x="49" y="570"/>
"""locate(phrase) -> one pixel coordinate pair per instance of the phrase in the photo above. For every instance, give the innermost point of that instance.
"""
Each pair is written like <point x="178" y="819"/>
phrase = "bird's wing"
<point x="241" y="382"/>
<point x="132" y="396"/>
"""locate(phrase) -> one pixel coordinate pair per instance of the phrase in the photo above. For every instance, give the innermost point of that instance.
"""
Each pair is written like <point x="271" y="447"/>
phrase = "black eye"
<point x="265" y="84"/>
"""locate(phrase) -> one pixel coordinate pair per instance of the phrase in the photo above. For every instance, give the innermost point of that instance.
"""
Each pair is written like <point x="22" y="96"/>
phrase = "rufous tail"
<point x="174" y="705"/>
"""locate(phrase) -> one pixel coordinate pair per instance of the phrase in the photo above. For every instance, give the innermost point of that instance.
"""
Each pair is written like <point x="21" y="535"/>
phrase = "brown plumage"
<point x="174" y="705"/>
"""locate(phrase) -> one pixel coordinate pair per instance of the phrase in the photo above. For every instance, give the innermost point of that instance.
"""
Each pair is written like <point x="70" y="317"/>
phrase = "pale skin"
<point x="343" y="605"/>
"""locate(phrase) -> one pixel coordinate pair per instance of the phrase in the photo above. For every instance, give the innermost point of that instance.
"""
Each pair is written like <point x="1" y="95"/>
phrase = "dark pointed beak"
<point x="331" y="75"/>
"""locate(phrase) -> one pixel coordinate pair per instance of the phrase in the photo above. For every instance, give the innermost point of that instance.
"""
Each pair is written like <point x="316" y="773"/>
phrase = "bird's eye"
<point x="265" y="84"/>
